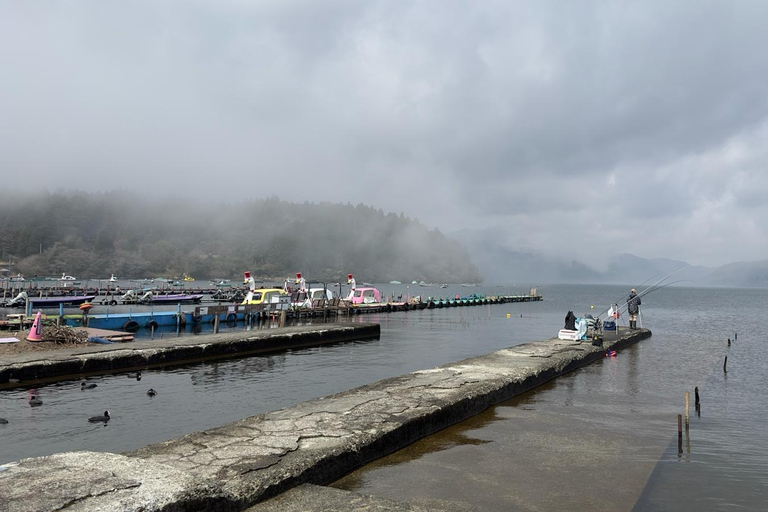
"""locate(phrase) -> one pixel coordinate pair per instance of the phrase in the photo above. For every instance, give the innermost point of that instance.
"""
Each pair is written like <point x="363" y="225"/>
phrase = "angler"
<point x="633" y="308"/>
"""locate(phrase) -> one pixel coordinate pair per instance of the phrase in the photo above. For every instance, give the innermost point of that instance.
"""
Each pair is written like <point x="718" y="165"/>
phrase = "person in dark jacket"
<point x="570" y="321"/>
<point x="633" y="308"/>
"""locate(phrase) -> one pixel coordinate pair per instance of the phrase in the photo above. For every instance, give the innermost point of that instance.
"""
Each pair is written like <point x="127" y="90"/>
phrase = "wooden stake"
<point x="729" y="342"/>
<point x="679" y="428"/>
<point x="725" y="363"/>
<point x="687" y="409"/>
<point x="696" y="403"/>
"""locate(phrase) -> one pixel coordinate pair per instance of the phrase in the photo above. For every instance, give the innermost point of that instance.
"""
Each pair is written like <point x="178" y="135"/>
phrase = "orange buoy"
<point x="86" y="306"/>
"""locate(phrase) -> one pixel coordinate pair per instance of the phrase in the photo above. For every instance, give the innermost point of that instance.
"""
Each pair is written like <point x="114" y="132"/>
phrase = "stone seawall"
<point x="237" y="465"/>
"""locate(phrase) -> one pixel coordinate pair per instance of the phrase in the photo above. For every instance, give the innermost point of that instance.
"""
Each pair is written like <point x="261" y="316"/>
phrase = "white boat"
<point x="112" y="279"/>
<point x="314" y="294"/>
<point x="65" y="277"/>
<point x="395" y="282"/>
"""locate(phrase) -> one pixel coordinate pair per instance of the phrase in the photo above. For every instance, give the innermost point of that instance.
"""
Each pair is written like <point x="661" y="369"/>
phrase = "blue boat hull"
<point x="125" y="321"/>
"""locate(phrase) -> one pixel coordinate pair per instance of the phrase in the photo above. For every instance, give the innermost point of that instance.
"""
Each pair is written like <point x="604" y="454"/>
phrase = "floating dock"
<point x="251" y="314"/>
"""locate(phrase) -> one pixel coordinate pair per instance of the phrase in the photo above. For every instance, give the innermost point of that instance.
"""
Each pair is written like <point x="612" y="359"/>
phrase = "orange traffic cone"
<point x="36" y="334"/>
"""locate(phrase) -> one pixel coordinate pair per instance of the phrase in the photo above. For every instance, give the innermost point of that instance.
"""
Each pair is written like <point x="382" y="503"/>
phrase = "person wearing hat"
<point x="633" y="308"/>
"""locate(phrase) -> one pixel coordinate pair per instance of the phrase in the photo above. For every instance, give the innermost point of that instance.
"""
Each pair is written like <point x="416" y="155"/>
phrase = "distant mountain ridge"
<point x="743" y="274"/>
<point x="500" y="264"/>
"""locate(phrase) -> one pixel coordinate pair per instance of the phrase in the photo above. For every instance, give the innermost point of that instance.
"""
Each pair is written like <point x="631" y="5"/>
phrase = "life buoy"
<point x="113" y="302"/>
<point x="131" y="326"/>
<point x="231" y="318"/>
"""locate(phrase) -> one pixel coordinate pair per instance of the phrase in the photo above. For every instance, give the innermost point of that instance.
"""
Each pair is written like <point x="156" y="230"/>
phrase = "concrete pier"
<point x="241" y="464"/>
<point x="89" y="359"/>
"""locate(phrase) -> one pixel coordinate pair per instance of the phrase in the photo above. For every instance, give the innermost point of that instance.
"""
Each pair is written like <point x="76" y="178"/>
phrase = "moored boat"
<point x="176" y="298"/>
<point x="51" y="302"/>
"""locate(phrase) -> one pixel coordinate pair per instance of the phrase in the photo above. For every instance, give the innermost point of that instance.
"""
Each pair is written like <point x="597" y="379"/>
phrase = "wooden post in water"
<point x="679" y="434"/>
<point x="735" y="336"/>
<point x="696" y="403"/>
<point x="282" y="318"/>
<point x="729" y="342"/>
<point x="215" y="324"/>
<point x="687" y="409"/>
<point x="152" y="332"/>
<point x="725" y="363"/>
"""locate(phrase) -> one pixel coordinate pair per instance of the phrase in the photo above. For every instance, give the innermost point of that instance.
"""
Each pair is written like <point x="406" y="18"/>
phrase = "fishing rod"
<point x="624" y="306"/>
<point x="648" y="290"/>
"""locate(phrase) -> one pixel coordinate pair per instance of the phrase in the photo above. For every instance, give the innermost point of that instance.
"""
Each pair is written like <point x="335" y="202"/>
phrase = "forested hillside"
<point x="95" y="235"/>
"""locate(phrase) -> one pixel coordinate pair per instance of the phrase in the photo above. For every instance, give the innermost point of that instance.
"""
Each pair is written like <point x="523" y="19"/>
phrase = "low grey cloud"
<point x="618" y="127"/>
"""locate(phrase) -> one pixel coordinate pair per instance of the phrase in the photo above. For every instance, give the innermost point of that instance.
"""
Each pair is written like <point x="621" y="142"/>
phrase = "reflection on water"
<point x="454" y="436"/>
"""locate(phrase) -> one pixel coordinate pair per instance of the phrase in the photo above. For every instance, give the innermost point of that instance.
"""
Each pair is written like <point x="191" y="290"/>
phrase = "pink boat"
<point x="366" y="296"/>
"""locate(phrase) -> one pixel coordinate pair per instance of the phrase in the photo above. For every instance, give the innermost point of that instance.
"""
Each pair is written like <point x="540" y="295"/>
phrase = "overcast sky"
<point x="580" y="129"/>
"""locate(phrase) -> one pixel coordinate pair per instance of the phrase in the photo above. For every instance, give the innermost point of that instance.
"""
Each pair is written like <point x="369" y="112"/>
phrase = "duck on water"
<point x="100" y="419"/>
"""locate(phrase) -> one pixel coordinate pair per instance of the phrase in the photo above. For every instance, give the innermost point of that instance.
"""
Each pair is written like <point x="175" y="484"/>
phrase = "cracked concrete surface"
<point x="242" y="463"/>
<point x="100" y="481"/>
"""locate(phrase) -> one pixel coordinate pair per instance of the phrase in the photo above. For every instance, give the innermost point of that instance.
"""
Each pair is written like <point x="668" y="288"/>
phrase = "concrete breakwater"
<point x="237" y="465"/>
<point x="22" y="368"/>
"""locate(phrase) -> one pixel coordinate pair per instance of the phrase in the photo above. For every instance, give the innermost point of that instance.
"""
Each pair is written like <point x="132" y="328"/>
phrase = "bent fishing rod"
<point x="643" y="293"/>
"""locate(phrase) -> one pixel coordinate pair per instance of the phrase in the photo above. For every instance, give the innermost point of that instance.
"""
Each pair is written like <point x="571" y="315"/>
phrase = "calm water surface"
<point x="643" y="387"/>
<point x="591" y="439"/>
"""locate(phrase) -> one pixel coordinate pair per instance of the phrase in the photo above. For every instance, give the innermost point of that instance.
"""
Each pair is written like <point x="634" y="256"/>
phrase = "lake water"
<point x="722" y="465"/>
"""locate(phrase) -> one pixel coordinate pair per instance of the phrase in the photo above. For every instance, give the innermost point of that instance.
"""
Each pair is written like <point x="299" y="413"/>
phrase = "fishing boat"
<point x="188" y="279"/>
<point x="112" y="279"/>
<point x="65" y="277"/>
<point x="176" y="298"/>
<point x="54" y="302"/>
